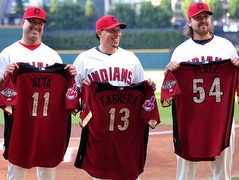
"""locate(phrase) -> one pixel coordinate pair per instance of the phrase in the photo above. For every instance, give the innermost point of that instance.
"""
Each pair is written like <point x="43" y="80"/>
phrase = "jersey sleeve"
<point x="80" y="76"/>
<point x="85" y="114"/>
<point x="2" y="66"/>
<point x="8" y="95"/>
<point x="149" y="111"/>
<point x="72" y="97"/>
<point x="169" y="89"/>
<point x="140" y="74"/>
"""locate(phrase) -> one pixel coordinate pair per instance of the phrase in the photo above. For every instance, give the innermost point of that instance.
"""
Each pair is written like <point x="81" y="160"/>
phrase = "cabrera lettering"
<point x="119" y="99"/>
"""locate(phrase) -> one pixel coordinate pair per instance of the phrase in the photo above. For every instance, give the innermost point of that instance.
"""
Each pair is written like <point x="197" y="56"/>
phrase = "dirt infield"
<point x="160" y="163"/>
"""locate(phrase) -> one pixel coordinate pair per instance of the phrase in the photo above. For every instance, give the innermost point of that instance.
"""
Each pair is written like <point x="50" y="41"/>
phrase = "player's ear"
<point x="188" y="21"/>
<point x="98" y="33"/>
<point x="22" y="21"/>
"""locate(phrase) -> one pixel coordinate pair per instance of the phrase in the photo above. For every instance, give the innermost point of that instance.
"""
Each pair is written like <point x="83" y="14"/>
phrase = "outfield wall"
<point x="150" y="59"/>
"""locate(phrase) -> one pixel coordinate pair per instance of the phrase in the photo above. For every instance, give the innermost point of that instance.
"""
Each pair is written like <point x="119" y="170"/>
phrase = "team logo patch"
<point x="149" y="104"/>
<point x="9" y="93"/>
<point x="72" y="92"/>
<point x="169" y="85"/>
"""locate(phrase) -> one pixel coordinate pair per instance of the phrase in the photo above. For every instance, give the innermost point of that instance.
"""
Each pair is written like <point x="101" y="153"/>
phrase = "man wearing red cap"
<point x="110" y="63"/>
<point x="20" y="149"/>
<point x="201" y="47"/>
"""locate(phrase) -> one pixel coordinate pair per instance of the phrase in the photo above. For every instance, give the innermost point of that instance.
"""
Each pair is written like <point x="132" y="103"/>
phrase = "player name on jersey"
<point x="119" y="99"/>
<point x="208" y="68"/>
<point x="44" y="82"/>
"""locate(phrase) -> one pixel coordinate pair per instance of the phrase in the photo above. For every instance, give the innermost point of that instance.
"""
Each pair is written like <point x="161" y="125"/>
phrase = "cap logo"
<point x="37" y="11"/>
<point x="114" y="19"/>
<point x="200" y="6"/>
<point x="108" y="22"/>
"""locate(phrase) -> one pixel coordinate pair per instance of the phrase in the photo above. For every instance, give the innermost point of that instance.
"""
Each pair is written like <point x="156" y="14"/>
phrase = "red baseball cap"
<point x="108" y="22"/>
<point x="35" y="12"/>
<point x="198" y="7"/>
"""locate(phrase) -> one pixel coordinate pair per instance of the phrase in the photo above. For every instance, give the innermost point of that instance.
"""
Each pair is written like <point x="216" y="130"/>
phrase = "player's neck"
<point x="200" y="37"/>
<point x="203" y="41"/>
<point x="30" y="47"/>
<point x="107" y="50"/>
<point x="30" y="42"/>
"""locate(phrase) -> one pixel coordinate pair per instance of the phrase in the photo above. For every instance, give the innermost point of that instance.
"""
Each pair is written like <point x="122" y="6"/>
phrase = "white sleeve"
<point x="3" y="63"/>
<point x="140" y="74"/>
<point x="79" y="68"/>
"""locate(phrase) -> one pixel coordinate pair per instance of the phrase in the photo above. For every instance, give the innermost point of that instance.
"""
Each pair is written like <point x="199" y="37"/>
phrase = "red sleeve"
<point x="72" y="97"/>
<point x="86" y="113"/>
<point x="8" y="95"/>
<point x="169" y="89"/>
<point x="149" y="111"/>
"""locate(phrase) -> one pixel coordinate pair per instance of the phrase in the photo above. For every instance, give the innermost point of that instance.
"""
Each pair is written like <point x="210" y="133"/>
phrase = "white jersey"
<point x="120" y="69"/>
<point x="42" y="56"/>
<point x="190" y="51"/>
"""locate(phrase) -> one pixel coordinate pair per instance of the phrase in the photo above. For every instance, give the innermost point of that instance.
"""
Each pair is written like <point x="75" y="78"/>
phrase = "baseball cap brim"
<point x="209" y="12"/>
<point x="121" y="25"/>
<point x="36" y="17"/>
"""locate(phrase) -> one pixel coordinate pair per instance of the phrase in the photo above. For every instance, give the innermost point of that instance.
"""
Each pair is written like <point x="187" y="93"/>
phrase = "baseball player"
<point x="31" y="50"/>
<point x="108" y="62"/>
<point x="204" y="46"/>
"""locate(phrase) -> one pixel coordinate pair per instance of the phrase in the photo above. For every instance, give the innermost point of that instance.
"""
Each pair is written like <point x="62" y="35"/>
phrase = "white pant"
<point x="18" y="173"/>
<point x="221" y="168"/>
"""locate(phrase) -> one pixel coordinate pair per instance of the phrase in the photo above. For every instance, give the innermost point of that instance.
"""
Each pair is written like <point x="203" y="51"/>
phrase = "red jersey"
<point x="203" y="104"/>
<point x="116" y="122"/>
<point x="42" y="101"/>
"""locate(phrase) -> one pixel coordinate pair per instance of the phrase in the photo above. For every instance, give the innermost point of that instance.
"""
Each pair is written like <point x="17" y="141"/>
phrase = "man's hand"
<point x="86" y="82"/>
<point x="152" y="84"/>
<point x="172" y="66"/>
<point x="235" y="61"/>
<point x="71" y="69"/>
<point x="10" y="69"/>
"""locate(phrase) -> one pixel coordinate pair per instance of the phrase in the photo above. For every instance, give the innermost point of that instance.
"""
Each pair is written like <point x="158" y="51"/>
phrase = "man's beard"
<point x="202" y="32"/>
